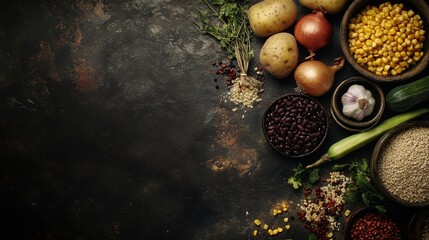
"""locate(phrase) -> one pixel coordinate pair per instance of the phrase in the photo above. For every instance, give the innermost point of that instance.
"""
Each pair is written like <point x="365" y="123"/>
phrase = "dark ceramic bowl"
<point x="377" y="152"/>
<point x="415" y="230"/>
<point x="419" y="6"/>
<point x="350" y="123"/>
<point x="362" y="212"/>
<point x="295" y="125"/>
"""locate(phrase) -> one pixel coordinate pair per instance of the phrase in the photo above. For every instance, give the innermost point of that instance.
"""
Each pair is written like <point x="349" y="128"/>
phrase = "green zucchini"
<point x="404" y="97"/>
<point x="358" y="140"/>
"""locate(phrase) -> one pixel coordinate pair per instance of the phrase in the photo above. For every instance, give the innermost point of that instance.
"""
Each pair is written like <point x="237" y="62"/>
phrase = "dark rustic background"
<point x="111" y="126"/>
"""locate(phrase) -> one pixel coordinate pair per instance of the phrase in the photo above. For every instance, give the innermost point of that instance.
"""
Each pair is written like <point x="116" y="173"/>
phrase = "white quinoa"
<point x="403" y="165"/>
<point x="244" y="93"/>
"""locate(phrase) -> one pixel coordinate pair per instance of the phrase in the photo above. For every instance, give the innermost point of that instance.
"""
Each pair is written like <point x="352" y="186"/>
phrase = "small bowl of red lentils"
<point x="386" y="41"/>
<point x="367" y="223"/>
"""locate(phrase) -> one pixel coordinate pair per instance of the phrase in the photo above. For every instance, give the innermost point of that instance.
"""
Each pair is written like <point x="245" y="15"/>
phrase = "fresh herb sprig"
<point x="305" y="177"/>
<point x="227" y="22"/>
<point x="362" y="187"/>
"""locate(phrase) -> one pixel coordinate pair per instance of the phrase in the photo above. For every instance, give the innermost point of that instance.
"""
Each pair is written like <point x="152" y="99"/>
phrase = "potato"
<point x="272" y="16"/>
<point x="330" y="6"/>
<point x="279" y="55"/>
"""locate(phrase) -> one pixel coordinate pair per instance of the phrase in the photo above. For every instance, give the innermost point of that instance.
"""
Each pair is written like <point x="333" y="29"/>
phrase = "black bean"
<point x="295" y="125"/>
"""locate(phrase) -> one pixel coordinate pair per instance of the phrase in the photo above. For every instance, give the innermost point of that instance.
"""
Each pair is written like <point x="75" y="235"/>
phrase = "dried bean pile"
<point x="403" y="164"/>
<point x="295" y="125"/>
<point x="321" y="208"/>
<point x="375" y="226"/>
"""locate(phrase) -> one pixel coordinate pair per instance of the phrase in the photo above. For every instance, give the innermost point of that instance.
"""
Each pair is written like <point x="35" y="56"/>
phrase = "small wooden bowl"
<point x="415" y="230"/>
<point x="378" y="149"/>
<point x="419" y="6"/>
<point x="349" y="123"/>
<point x="362" y="212"/>
<point x="283" y="146"/>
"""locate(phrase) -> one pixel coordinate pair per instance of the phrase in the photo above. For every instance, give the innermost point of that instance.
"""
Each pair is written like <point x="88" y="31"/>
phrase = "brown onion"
<point x="315" y="78"/>
<point x="313" y="31"/>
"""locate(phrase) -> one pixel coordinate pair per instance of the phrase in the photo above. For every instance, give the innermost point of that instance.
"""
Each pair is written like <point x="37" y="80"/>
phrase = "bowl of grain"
<point x="386" y="41"/>
<point x="295" y="125"/>
<point x="400" y="164"/>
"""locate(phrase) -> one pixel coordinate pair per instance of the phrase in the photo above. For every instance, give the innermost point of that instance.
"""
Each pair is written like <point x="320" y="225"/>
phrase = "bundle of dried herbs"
<point x="227" y="22"/>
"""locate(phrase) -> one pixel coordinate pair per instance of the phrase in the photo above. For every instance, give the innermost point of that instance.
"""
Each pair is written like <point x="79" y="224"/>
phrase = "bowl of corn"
<point x="386" y="41"/>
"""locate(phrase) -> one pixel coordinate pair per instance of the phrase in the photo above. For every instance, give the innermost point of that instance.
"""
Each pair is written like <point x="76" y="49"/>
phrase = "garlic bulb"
<point x="357" y="102"/>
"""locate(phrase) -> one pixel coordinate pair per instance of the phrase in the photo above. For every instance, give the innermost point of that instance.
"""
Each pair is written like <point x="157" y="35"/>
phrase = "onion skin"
<point x="315" y="78"/>
<point x="313" y="31"/>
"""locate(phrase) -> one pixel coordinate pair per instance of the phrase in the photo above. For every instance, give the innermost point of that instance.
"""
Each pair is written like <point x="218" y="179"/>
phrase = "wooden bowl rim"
<point x="348" y="123"/>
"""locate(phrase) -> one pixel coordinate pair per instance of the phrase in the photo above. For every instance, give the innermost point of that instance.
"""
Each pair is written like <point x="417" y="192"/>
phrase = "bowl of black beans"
<point x="295" y="125"/>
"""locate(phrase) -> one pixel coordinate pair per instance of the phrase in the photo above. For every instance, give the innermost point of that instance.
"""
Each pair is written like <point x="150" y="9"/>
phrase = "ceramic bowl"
<point x="350" y="123"/>
<point x="377" y="153"/>
<point x="361" y="213"/>
<point x="419" y="6"/>
<point x="295" y="125"/>
<point x="415" y="230"/>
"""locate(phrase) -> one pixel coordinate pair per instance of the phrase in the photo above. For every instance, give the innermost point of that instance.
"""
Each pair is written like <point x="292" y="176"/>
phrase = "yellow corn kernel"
<point x="330" y="234"/>
<point x="270" y="232"/>
<point x="274" y="212"/>
<point x="347" y="213"/>
<point x="279" y="229"/>
<point x="265" y="226"/>
<point x="275" y="232"/>
<point x="286" y="220"/>
<point x="257" y="222"/>
<point x="255" y="233"/>
<point x="287" y="227"/>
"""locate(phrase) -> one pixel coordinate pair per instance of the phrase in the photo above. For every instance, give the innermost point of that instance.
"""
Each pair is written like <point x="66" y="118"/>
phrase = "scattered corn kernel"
<point x="286" y="220"/>
<point x="257" y="222"/>
<point x="275" y="212"/>
<point x="279" y="211"/>
<point x="275" y="232"/>
<point x="265" y="226"/>
<point x="255" y="233"/>
<point x="285" y="209"/>
<point x="279" y="229"/>
<point x="347" y="213"/>
<point x="270" y="232"/>
<point x="287" y="227"/>
<point x="330" y="234"/>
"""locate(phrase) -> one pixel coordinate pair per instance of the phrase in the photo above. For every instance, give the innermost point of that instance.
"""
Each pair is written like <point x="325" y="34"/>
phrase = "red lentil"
<point x="375" y="226"/>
